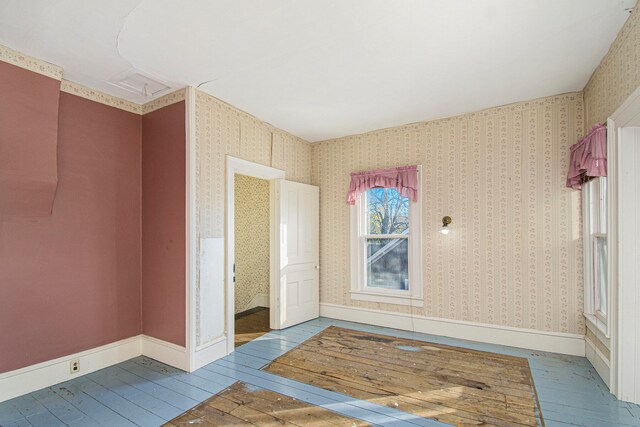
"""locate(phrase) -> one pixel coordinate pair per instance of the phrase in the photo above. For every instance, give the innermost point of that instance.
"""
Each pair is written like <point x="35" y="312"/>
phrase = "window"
<point x="596" y="287"/>
<point x="385" y="248"/>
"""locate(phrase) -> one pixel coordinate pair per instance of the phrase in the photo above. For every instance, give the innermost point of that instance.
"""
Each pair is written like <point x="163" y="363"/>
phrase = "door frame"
<point x="256" y="170"/>
<point x="622" y="255"/>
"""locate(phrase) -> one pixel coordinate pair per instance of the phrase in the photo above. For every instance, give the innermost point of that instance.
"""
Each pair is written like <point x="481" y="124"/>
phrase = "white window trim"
<point x="414" y="295"/>
<point x="591" y="314"/>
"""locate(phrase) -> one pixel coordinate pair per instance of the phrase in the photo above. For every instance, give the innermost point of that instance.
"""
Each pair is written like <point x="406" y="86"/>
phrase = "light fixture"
<point x="445" y="225"/>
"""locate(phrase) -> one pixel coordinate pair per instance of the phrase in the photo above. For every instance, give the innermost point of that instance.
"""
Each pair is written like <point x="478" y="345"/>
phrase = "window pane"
<point x="388" y="263"/>
<point x="387" y="212"/>
<point x="601" y="273"/>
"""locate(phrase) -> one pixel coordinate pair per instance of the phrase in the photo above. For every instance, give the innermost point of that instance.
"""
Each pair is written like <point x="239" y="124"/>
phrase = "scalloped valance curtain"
<point x="403" y="179"/>
<point x="588" y="157"/>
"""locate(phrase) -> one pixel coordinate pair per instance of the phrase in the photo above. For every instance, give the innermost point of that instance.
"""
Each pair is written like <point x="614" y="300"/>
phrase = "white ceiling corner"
<point x="323" y="69"/>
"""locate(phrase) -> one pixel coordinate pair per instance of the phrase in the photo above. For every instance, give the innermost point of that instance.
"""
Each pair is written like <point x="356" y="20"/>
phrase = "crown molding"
<point x="100" y="97"/>
<point x="120" y="103"/>
<point x="30" y="63"/>
<point x="164" y="101"/>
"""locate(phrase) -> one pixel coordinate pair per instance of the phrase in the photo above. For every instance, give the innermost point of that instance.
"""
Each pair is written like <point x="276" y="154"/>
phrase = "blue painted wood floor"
<point x="143" y="392"/>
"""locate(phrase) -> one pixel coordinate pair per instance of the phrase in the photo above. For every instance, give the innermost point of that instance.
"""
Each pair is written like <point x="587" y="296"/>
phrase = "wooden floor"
<point x="246" y="405"/>
<point x="251" y="324"/>
<point x="450" y="384"/>
<point x="143" y="392"/>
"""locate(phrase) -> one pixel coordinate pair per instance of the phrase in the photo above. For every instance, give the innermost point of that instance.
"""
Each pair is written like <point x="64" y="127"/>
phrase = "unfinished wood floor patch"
<point x="246" y="405"/>
<point x="450" y="384"/>
<point x="251" y="324"/>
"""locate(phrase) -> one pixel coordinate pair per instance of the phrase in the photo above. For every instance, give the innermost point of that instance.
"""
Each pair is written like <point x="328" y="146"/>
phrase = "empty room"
<point x="319" y="213"/>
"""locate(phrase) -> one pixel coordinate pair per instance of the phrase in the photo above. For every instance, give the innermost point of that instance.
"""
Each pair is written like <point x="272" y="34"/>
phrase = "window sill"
<point x="596" y="324"/>
<point x="387" y="298"/>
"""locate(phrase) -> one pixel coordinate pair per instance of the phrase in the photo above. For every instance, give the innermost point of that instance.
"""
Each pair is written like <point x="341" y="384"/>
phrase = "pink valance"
<point x="403" y="179"/>
<point x="588" y="157"/>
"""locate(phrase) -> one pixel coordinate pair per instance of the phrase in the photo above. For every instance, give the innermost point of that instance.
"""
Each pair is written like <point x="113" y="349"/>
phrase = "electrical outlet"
<point x="74" y="366"/>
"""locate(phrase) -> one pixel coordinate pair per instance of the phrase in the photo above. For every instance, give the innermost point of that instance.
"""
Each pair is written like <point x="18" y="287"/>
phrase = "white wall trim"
<point x="598" y="361"/>
<point x="593" y="325"/>
<point x="45" y="374"/>
<point x="623" y="233"/>
<point x="388" y="298"/>
<point x="258" y="300"/>
<point x="209" y="352"/>
<point x="190" y="210"/>
<point x="556" y="342"/>
<point x="165" y="352"/>
<point x="256" y="170"/>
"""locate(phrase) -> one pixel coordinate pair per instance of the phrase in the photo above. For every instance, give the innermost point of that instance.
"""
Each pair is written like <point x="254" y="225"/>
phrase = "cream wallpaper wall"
<point x="617" y="76"/>
<point x="251" y="233"/>
<point x="222" y="130"/>
<point x="514" y="257"/>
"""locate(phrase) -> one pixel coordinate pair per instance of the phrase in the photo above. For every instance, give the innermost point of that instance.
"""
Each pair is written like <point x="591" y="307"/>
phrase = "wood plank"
<point x="340" y="403"/>
<point x="455" y="399"/>
<point x="136" y="396"/>
<point x="250" y="325"/>
<point x="402" y="403"/>
<point x="70" y="392"/>
<point x="245" y="405"/>
<point x="418" y="366"/>
<point x="449" y="384"/>
<point x="120" y="405"/>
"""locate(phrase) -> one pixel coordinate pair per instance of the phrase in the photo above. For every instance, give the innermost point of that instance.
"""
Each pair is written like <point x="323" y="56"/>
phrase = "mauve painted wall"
<point x="28" y="140"/>
<point x="163" y="223"/>
<point x="71" y="281"/>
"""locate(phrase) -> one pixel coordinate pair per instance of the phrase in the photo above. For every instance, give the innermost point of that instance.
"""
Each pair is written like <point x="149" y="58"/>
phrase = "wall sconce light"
<point x="445" y="225"/>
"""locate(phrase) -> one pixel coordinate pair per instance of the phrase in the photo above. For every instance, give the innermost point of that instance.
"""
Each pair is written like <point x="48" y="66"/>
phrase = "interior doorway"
<point x="250" y="307"/>
<point x="294" y="246"/>
<point x="252" y="225"/>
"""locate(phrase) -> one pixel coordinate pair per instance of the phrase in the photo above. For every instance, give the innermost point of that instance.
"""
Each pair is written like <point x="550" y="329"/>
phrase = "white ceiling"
<point x="323" y="69"/>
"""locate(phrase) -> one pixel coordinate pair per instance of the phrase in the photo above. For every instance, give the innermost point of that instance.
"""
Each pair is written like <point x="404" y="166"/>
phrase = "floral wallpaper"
<point x="514" y="256"/>
<point x="222" y="130"/>
<point x="618" y="74"/>
<point x="251" y="233"/>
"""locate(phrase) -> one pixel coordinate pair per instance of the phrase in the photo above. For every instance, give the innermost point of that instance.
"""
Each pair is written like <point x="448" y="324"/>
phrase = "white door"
<point x="295" y="293"/>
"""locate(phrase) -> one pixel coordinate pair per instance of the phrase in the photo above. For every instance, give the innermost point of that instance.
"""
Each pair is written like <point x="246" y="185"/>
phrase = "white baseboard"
<point x="208" y="353"/>
<point x="556" y="342"/>
<point x="35" y="377"/>
<point x="45" y="374"/>
<point x="599" y="362"/>
<point x="165" y="352"/>
<point x="259" y="300"/>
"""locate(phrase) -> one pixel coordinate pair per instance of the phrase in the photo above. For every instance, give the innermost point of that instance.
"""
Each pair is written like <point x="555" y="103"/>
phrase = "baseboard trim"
<point x="35" y="377"/>
<point x="31" y="378"/>
<point x="259" y="300"/>
<point x="555" y="342"/>
<point x="210" y="352"/>
<point x="598" y="361"/>
<point x="165" y="352"/>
